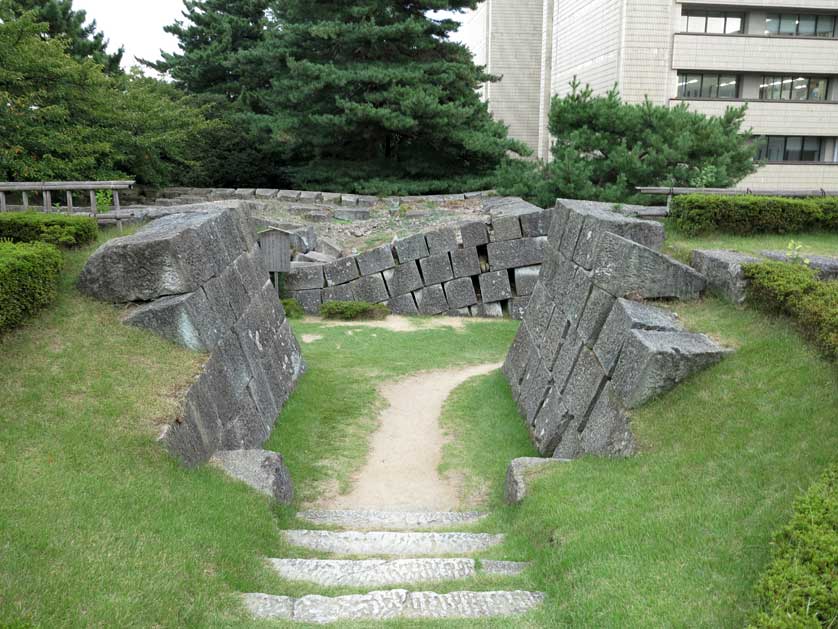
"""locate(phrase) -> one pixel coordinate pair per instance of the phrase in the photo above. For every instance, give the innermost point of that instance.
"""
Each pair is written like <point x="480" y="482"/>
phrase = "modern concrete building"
<point x="778" y="56"/>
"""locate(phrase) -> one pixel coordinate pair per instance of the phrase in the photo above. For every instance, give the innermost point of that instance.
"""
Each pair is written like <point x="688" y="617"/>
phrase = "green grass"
<point x="813" y="243"/>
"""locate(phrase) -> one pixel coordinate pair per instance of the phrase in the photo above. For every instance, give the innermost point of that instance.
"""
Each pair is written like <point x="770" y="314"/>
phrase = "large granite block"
<point x="594" y="316"/>
<point x="187" y="320"/>
<point x="310" y="300"/>
<point x="474" y="234"/>
<point x="460" y="293"/>
<point x="583" y="385"/>
<point x="495" y="286"/>
<point x="487" y="311"/>
<point x="341" y="292"/>
<point x="539" y="312"/>
<point x="465" y="262"/>
<point x="518" y="307"/>
<point x="341" y="271"/>
<point x="376" y="260"/>
<point x="442" y="240"/>
<point x="515" y="365"/>
<point x="436" y="269"/>
<point x="525" y="279"/>
<point x="262" y="470"/>
<point x="403" y="279"/>
<point x="570" y="235"/>
<point x="534" y="389"/>
<point x="607" y="430"/>
<point x="536" y="223"/>
<point x="411" y="248"/>
<point x="431" y="300"/>
<point x="723" y="270"/>
<point x="550" y="423"/>
<point x="505" y="228"/>
<point x="370" y="288"/>
<point x="514" y="253"/>
<point x="403" y="305"/>
<point x="304" y="276"/>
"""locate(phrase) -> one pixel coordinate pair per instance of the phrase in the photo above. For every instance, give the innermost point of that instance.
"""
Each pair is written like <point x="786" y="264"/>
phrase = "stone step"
<point x="392" y="543"/>
<point x="391" y="520"/>
<point x="392" y="604"/>
<point x="384" y="572"/>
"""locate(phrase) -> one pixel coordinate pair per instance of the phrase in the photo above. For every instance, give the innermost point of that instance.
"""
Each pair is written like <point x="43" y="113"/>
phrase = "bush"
<point x="794" y="290"/>
<point x="28" y="280"/>
<point x="56" y="229"/>
<point x="293" y="309"/>
<point x="800" y="587"/>
<point x="695" y="214"/>
<point x="353" y="310"/>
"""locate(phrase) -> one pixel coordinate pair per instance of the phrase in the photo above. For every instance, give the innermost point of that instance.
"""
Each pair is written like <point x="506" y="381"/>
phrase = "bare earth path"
<point x="401" y="472"/>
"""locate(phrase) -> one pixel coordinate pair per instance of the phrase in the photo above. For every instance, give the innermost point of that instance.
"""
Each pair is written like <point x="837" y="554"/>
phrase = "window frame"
<point x="683" y="76"/>
<point x="818" y="17"/>
<point x="764" y="152"/>
<point x="786" y="88"/>
<point x="704" y="14"/>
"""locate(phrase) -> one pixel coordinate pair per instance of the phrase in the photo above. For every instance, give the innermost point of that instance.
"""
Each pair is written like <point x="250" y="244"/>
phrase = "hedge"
<point x="56" y="229"/>
<point x="694" y="214"/>
<point x="800" y="587"/>
<point x="293" y="309"/>
<point x="794" y="290"/>
<point x="353" y="310"/>
<point x="29" y="275"/>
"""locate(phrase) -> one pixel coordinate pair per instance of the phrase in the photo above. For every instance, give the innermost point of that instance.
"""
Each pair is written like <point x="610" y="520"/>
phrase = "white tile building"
<point x="778" y="56"/>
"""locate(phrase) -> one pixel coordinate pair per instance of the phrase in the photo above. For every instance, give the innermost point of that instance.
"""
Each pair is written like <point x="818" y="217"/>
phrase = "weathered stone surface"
<point x="411" y="248"/>
<point x="442" y="240"/>
<point x="470" y="604"/>
<point x="341" y="271"/>
<point x="487" y="311"/>
<point x="515" y="253"/>
<point x="332" y="198"/>
<point x="244" y="193"/>
<point x="403" y="305"/>
<point x="518" y="308"/>
<point x="266" y="193"/>
<point x="366" y="200"/>
<point x="289" y="195"/>
<point x="653" y="362"/>
<point x="597" y="309"/>
<point x="460" y="293"/>
<point x="550" y="423"/>
<point x="391" y="520"/>
<point x="349" y="200"/>
<point x="310" y="300"/>
<point x="570" y="235"/>
<point x="539" y="312"/>
<point x="375" y="260"/>
<point x="465" y="262"/>
<point x="391" y="543"/>
<point x="607" y="430"/>
<point x="184" y="319"/>
<point x="265" y="471"/>
<point x="584" y="383"/>
<point x="314" y="256"/>
<point x="436" y="269"/>
<point x="723" y="270"/>
<point x="624" y="268"/>
<point x="536" y="223"/>
<point x="370" y="288"/>
<point x="526" y="279"/>
<point x="324" y="246"/>
<point x="515" y="365"/>
<point x="341" y="292"/>
<point x="304" y="276"/>
<point x="403" y="279"/>
<point x="505" y="228"/>
<point x="310" y="196"/>
<point x="534" y="389"/>
<point x="431" y="300"/>
<point x="373" y="572"/>
<point x="520" y="472"/>
<point x="352" y="213"/>
<point x="826" y="266"/>
<point x="503" y="568"/>
<point x="495" y="286"/>
<point x="474" y="234"/>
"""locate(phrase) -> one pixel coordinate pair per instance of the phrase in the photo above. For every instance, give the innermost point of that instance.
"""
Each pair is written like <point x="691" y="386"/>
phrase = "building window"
<point x="708" y="85"/>
<point x="791" y="148"/>
<point x="800" y="25"/>
<point x="716" y="22"/>
<point x="793" y="88"/>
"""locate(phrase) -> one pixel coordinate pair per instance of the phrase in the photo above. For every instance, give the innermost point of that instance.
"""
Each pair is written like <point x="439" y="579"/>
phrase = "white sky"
<point x="136" y="24"/>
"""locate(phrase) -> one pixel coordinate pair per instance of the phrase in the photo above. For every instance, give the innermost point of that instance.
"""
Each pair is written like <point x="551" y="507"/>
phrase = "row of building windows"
<point x="791" y="148"/>
<point x="712" y="85"/>
<point x="733" y="23"/>
<point x="708" y="86"/>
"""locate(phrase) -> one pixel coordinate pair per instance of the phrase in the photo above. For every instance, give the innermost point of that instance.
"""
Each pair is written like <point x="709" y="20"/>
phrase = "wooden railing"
<point x="46" y="188"/>
<point x="671" y="192"/>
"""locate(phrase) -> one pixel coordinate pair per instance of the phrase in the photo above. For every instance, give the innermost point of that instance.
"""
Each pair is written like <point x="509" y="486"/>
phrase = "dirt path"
<point x="401" y="472"/>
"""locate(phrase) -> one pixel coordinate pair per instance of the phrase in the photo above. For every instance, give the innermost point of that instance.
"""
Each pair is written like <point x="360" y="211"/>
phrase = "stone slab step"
<point x="383" y="572"/>
<point x="392" y="543"/>
<point x="392" y="604"/>
<point x="391" y="520"/>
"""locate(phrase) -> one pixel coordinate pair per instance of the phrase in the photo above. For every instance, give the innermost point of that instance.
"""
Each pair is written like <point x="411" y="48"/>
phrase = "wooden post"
<point x="119" y="224"/>
<point x="25" y="201"/>
<point x="47" y="201"/>
<point x="116" y="204"/>
<point x="69" y="201"/>
<point x="93" y="202"/>
<point x="2" y="201"/>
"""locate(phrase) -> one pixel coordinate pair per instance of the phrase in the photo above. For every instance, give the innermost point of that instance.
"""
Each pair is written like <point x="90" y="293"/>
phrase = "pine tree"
<point x="373" y="95"/>
<point x="84" y="40"/>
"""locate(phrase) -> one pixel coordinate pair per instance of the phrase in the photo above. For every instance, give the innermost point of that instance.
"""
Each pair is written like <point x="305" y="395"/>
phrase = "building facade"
<point x="778" y="56"/>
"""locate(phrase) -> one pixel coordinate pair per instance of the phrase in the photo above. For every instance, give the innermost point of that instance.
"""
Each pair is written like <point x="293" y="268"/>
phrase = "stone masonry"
<point x="587" y="350"/>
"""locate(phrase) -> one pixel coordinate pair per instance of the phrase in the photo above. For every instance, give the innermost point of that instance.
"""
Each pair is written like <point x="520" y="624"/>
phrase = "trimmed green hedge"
<point x="800" y="587"/>
<point x="29" y="275"/>
<point x="293" y="309"/>
<point x="694" y="214"/>
<point x="794" y="290"/>
<point x="353" y="310"/>
<point x="56" y="229"/>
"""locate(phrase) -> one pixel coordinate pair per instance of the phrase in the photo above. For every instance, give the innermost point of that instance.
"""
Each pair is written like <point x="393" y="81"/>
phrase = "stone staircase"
<point x="381" y="549"/>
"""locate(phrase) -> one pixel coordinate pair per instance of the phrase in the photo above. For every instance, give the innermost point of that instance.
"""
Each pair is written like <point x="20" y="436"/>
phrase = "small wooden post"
<point x="93" y="201"/>
<point x="47" y="201"/>
<point x="2" y="201"/>
<point x="69" y="200"/>
<point x="116" y="204"/>
<point x="25" y="201"/>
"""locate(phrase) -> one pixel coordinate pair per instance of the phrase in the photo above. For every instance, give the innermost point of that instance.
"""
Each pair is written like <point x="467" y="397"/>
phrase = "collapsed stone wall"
<point x="197" y="279"/>
<point x="587" y="351"/>
<point x="474" y="269"/>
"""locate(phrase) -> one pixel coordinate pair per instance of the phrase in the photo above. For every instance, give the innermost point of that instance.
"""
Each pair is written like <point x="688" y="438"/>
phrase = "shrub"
<point x="293" y="309"/>
<point x="800" y="587"/>
<point x="829" y="207"/>
<point x="794" y="290"/>
<point x="28" y="280"/>
<point x="56" y="229"/>
<point x="353" y="310"/>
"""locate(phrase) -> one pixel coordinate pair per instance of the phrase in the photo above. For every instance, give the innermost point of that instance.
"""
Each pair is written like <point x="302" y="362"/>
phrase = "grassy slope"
<point x="813" y="243"/>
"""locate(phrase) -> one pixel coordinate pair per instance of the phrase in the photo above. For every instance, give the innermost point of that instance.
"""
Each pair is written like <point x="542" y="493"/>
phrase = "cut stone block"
<point x="520" y="472"/>
<point x="474" y="234"/>
<point x="826" y="266"/>
<point x="576" y="296"/>
<point x="460" y="293"/>
<point x="403" y="305"/>
<point x="594" y="316"/>
<point x="370" y="288"/>
<point x="310" y="196"/>
<point x="324" y="246"/>
<point x="289" y="195"/>
<point x="314" y="256"/>
<point x="373" y="572"/>
<point x="376" y="260"/>
<point x="515" y="253"/>
<point x="436" y="269"/>
<point x="304" y="276"/>
<point x="570" y="235"/>
<point x="341" y="271"/>
<point x="442" y="240"/>
<point x="266" y="193"/>
<point x="411" y="248"/>
<point x="723" y="270"/>
<point x="550" y="423"/>
<point x="392" y="543"/>
<point x="265" y="471"/>
<point x="391" y="520"/>
<point x="515" y="365"/>
<point x="536" y="223"/>
<point x="310" y="300"/>
<point x="652" y="363"/>
<point x="534" y="389"/>
<point x="539" y="313"/>
<point x="332" y="198"/>
<point x="585" y="382"/>
<point x="624" y="268"/>
<point x="244" y="193"/>
<point x="366" y="200"/>
<point x="341" y="292"/>
<point x="431" y="300"/>
<point x="526" y="279"/>
<point x="518" y="308"/>
<point x="487" y="311"/>
<point x="607" y="430"/>
<point x="352" y="214"/>
<point x="465" y="262"/>
<point x="495" y="286"/>
<point x="349" y="200"/>
<point x="403" y="279"/>
<point x="188" y="320"/>
<point x="505" y="228"/>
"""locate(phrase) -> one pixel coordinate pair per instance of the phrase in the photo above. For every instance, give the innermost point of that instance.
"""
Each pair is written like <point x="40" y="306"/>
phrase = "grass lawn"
<point x="99" y="527"/>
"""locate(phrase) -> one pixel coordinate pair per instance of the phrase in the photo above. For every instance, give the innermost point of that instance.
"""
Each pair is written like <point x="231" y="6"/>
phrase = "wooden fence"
<point x="671" y="192"/>
<point x="46" y="188"/>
